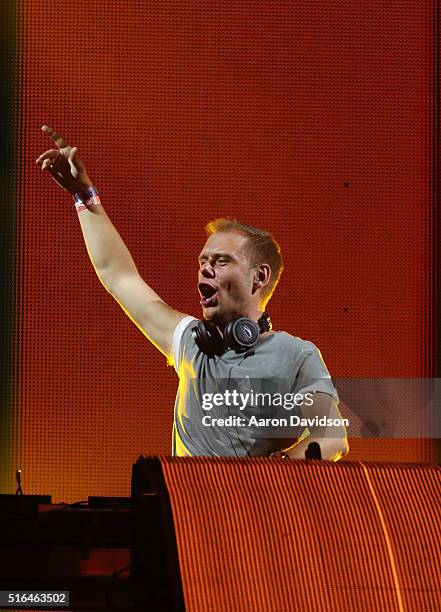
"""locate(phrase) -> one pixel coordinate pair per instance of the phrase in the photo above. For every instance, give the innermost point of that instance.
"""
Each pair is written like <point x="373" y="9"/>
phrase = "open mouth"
<point x="208" y="295"/>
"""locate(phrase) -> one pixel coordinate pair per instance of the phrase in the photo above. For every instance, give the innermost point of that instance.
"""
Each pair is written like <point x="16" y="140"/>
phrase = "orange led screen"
<point x="313" y="120"/>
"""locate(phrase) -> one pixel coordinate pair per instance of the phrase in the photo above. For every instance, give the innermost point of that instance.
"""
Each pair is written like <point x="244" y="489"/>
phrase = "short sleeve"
<point x="313" y="375"/>
<point x="176" y="342"/>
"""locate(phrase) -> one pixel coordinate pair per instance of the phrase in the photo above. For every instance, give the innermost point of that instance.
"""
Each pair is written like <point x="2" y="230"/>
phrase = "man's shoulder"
<point x="181" y="336"/>
<point x="294" y="341"/>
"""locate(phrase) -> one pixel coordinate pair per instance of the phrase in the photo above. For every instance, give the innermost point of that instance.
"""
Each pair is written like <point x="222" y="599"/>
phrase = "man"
<point x="239" y="268"/>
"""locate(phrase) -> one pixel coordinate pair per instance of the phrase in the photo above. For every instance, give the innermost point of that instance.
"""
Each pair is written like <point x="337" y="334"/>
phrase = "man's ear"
<point x="261" y="276"/>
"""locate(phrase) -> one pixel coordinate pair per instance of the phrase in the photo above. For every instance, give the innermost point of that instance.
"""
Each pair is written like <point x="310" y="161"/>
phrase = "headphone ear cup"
<point x="241" y="334"/>
<point x="208" y="339"/>
<point x="229" y="334"/>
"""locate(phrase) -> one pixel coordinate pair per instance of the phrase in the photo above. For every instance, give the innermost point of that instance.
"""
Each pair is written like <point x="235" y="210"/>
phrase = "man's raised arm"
<point x="109" y="255"/>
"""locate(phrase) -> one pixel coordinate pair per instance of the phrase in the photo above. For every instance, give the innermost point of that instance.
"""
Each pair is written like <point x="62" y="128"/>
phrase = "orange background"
<point x="308" y="119"/>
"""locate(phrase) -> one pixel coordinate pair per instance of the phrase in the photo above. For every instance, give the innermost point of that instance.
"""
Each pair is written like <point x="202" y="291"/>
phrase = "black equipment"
<point x="240" y="334"/>
<point x="313" y="451"/>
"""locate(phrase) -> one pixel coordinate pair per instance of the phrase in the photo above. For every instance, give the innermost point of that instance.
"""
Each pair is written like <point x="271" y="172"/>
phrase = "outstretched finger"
<point x="56" y="137"/>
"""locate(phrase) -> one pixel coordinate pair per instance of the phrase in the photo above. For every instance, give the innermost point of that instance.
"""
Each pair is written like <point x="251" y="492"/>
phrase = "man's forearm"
<point x="109" y="255"/>
<point x="332" y="438"/>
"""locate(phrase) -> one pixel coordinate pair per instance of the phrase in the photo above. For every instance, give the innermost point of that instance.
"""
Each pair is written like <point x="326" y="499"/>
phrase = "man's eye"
<point x="222" y="260"/>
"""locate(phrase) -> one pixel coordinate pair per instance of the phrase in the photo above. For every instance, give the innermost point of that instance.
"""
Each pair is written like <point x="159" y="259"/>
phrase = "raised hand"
<point x="64" y="164"/>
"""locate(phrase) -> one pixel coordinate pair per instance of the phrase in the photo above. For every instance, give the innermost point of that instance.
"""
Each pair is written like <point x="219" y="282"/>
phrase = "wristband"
<point x="85" y="198"/>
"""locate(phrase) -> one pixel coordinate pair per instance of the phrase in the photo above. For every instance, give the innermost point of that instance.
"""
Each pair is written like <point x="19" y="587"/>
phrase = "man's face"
<point x="225" y="279"/>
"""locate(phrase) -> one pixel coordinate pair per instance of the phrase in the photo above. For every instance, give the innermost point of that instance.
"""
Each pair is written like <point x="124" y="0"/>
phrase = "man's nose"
<point x="207" y="270"/>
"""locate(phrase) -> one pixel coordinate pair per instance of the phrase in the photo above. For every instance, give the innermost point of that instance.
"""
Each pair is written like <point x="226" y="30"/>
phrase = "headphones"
<point x="240" y="334"/>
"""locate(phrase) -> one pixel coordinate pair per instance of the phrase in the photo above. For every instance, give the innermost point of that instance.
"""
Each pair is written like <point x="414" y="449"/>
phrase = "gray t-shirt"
<point x="255" y="390"/>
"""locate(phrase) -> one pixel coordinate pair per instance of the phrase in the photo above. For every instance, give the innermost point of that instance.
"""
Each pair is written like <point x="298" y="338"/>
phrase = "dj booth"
<point x="230" y="534"/>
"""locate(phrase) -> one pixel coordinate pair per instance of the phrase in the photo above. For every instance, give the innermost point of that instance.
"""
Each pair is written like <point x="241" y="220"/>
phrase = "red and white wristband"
<point x="85" y="198"/>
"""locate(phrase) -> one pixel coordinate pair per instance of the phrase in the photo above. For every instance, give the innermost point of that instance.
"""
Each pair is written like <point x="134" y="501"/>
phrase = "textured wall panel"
<point x="264" y="535"/>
